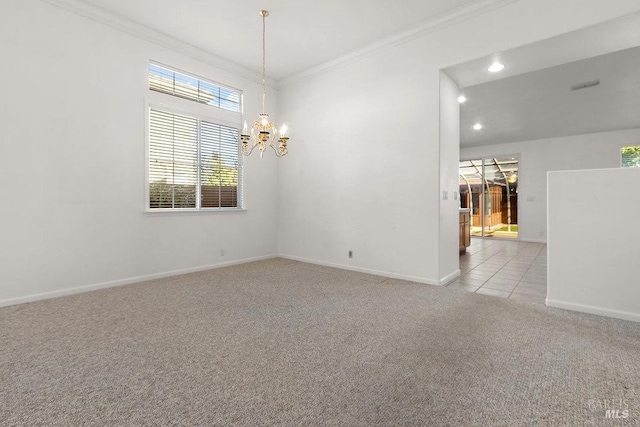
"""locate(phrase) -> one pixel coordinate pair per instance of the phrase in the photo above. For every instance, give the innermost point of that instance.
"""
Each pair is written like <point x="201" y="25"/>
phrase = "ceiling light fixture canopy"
<point x="264" y="132"/>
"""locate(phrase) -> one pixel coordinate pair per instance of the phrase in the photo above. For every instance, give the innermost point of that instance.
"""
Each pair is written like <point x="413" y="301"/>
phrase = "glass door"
<point x="471" y="193"/>
<point x="489" y="189"/>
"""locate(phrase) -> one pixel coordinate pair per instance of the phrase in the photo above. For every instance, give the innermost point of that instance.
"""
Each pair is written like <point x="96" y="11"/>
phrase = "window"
<point x="193" y="152"/>
<point x="630" y="156"/>
<point x="174" y="83"/>
<point x="192" y="163"/>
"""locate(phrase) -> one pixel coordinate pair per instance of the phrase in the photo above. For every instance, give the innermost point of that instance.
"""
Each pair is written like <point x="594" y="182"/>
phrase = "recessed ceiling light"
<point x="495" y="67"/>
<point x="462" y="99"/>
<point x="477" y="126"/>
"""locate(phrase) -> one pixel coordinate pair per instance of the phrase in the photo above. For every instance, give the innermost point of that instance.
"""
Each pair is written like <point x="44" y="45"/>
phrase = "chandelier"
<point x="264" y="132"/>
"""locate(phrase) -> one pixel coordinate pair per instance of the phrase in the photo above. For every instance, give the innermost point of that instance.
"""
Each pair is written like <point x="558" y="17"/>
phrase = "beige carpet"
<point x="286" y="343"/>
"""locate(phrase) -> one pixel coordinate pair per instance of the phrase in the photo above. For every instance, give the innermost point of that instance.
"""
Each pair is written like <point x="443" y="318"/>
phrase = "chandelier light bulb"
<point x="283" y="130"/>
<point x="462" y="99"/>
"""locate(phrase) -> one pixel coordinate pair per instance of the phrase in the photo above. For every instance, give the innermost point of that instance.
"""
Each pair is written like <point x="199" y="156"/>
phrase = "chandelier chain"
<point x="264" y="66"/>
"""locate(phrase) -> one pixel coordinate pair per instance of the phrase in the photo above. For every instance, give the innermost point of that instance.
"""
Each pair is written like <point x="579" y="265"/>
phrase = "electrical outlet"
<point x="542" y="234"/>
<point x="221" y="252"/>
<point x="350" y="254"/>
<point x="445" y="195"/>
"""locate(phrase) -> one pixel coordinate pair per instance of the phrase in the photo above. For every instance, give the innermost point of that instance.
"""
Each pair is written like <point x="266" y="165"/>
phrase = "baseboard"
<point x="363" y="270"/>
<point x="533" y="241"/>
<point x="600" y="311"/>
<point x="449" y="278"/>
<point x="122" y="282"/>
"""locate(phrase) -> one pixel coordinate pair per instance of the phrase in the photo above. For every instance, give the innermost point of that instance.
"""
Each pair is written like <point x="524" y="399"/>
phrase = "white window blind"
<point x="182" y="85"/>
<point x="630" y="156"/>
<point x="193" y="164"/>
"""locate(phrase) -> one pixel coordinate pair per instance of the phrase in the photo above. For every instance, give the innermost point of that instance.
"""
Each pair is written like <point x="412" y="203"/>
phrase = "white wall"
<point x="449" y="187"/>
<point x="349" y="182"/>
<point x="364" y="170"/>
<point x="592" y="151"/>
<point x="72" y="123"/>
<point x="593" y="242"/>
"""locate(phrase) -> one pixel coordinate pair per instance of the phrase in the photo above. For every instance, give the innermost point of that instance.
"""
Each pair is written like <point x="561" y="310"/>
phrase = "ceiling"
<point x="529" y="100"/>
<point x="300" y="34"/>
<point x="532" y="98"/>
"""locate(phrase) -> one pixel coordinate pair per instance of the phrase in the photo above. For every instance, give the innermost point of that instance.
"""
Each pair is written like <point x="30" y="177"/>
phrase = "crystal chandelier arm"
<point x="245" y="148"/>
<point x="281" y="150"/>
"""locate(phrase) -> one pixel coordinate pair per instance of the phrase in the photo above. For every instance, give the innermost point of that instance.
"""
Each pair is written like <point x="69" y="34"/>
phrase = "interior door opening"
<point x="489" y="189"/>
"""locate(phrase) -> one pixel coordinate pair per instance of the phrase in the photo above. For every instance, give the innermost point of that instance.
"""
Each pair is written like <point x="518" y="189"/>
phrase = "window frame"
<point x="202" y="112"/>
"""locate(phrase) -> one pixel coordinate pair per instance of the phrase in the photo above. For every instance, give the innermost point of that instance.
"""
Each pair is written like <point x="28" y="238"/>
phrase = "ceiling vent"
<point x="585" y="85"/>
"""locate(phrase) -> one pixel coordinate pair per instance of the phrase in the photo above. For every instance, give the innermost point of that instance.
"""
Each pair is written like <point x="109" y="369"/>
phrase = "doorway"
<point x="489" y="189"/>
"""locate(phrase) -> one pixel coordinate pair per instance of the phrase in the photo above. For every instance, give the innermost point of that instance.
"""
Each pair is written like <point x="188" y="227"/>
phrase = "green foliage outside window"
<point x="220" y="173"/>
<point x="630" y="156"/>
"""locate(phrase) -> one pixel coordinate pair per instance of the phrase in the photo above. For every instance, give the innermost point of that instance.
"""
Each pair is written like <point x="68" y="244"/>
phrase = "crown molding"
<point x="437" y="23"/>
<point x="119" y="22"/>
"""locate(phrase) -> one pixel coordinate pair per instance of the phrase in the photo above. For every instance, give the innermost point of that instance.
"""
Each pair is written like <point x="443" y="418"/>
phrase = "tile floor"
<point x="504" y="268"/>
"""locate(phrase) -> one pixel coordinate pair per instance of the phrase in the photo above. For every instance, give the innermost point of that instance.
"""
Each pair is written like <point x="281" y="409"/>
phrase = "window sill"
<point x="189" y="211"/>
